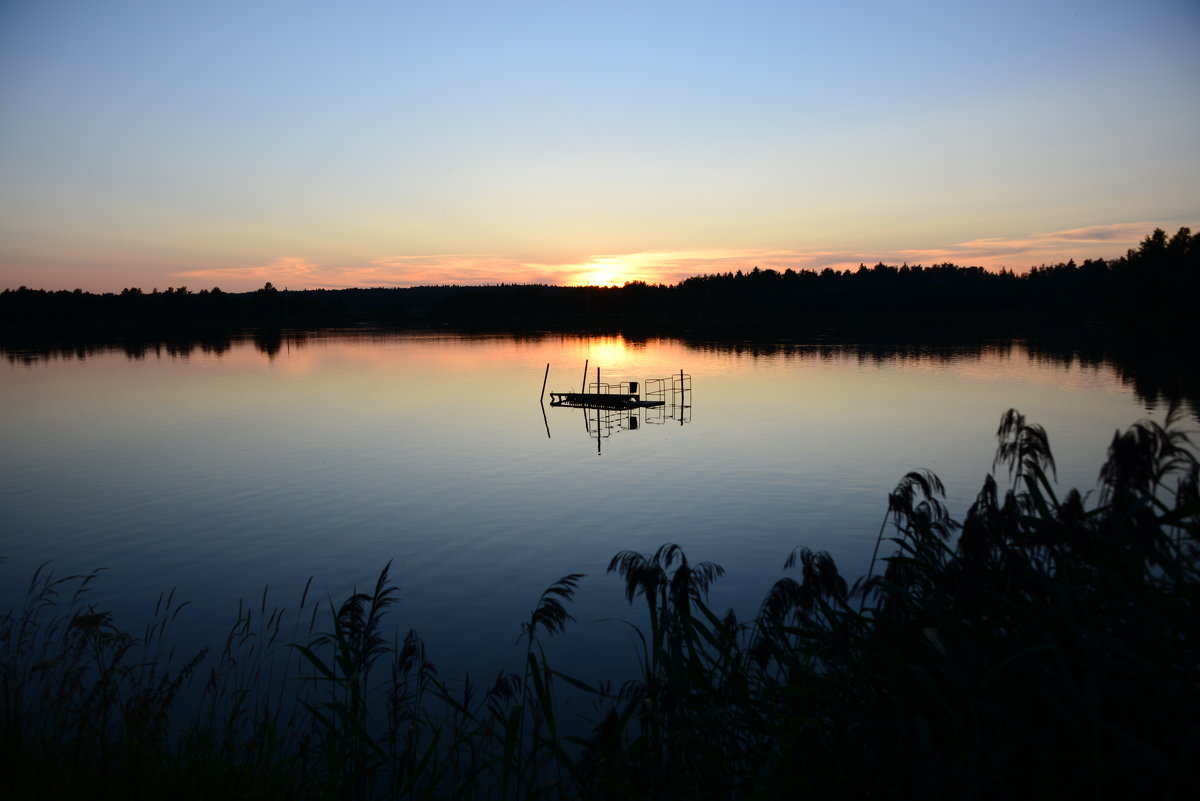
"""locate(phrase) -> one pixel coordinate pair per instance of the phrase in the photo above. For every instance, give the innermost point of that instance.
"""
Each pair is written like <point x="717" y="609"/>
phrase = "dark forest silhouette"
<point x="1159" y="280"/>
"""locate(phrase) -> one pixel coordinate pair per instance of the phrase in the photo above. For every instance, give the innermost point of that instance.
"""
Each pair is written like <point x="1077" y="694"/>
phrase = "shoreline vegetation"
<point x="1155" y="283"/>
<point x="1046" y="645"/>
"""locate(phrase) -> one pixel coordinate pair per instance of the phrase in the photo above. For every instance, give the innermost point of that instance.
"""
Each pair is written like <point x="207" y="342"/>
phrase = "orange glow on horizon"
<point x="603" y="271"/>
<point x="615" y="269"/>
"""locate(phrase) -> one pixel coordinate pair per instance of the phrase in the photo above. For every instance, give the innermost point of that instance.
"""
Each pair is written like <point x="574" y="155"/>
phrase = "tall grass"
<point x="1046" y="645"/>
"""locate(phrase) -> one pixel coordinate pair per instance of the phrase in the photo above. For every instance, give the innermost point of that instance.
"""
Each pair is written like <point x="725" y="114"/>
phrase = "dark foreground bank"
<point x="1044" y="646"/>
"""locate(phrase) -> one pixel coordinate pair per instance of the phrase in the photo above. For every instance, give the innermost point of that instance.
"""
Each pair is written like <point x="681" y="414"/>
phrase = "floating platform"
<point x="602" y="400"/>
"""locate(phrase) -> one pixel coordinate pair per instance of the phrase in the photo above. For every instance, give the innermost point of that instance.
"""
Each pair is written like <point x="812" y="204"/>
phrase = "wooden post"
<point x="545" y="378"/>
<point x="583" y="386"/>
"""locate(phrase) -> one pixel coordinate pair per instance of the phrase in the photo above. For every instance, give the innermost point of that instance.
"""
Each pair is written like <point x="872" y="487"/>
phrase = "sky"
<point x="212" y="143"/>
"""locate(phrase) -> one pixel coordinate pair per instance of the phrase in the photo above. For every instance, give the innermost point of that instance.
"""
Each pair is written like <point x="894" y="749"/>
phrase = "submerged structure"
<point x="620" y="396"/>
<point x="628" y="404"/>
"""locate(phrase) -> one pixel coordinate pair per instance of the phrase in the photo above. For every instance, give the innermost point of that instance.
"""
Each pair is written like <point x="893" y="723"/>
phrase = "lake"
<point x="220" y="469"/>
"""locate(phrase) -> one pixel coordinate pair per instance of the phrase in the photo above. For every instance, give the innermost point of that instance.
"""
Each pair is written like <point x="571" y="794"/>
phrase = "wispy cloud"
<point x="284" y="271"/>
<point x="1044" y="247"/>
<point x="382" y="271"/>
<point x="1102" y="233"/>
<point x="670" y="266"/>
<point x="465" y="268"/>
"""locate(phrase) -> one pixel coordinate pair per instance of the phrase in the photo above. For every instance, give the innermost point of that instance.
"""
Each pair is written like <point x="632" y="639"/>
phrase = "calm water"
<point x="220" y="471"/>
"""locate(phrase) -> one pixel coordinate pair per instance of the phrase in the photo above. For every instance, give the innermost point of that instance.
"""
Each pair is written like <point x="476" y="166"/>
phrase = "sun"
<point x="599" y="278"/>
<point x="601" y="272"/>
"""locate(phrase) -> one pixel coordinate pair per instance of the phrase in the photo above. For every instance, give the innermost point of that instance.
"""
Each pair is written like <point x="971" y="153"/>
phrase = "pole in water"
<point x="681" y="397"/>
<point x="583" y="387"/>
<point x="545" y="378"/>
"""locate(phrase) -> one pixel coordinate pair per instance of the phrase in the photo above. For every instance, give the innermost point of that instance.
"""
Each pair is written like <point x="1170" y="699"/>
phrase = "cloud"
<point x="1015" y="253"/>
<point x="1102" y="233"/>
<point x="1040" y="247"/>
<point x="284" y="271"/>
<point x="1117" y="232"/>
<point x="669" y="266"/>
<point x="383" y="271"/>
<point x="451" y="268"/>
<point x="474" y="268"/>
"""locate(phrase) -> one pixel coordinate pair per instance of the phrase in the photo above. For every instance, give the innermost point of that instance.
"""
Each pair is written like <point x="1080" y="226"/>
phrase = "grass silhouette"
<point x="1044" y="646"/>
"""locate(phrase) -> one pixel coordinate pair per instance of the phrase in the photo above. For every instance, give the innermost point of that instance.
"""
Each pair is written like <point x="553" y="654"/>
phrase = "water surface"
<point x="219" y="470"/>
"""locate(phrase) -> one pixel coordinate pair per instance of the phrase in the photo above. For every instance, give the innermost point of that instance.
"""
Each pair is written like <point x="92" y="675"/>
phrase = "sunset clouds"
<point x="669" y="267"/>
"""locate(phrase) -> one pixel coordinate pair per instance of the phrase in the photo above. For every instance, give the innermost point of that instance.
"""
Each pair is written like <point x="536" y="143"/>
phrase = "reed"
<point x="1046" y="645"/>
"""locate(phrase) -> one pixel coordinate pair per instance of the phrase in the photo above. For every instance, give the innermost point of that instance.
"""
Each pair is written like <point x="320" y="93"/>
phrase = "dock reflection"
<point x="610" y="408"/>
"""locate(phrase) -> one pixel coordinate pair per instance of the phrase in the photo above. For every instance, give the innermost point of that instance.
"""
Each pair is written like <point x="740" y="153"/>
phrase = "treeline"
<point x="175" y="305"/>
<point x="1159" y="279"/>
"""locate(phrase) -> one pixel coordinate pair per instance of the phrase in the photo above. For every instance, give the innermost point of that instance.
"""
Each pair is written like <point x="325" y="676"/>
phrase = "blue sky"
<point x="397" y="143"/>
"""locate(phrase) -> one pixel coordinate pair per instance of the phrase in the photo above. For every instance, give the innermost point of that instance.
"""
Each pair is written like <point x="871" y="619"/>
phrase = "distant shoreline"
<point x="1156" y="285"/>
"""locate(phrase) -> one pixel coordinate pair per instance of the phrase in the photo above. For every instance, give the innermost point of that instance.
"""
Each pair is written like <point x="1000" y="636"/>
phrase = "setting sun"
<point x="602" y="272"/>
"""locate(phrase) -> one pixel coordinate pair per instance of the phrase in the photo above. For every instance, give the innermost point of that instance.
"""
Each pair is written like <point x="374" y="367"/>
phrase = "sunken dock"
<point x="623" y="394"/>
<point x="623" y="405"/>
<point x="602" y="400"/>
